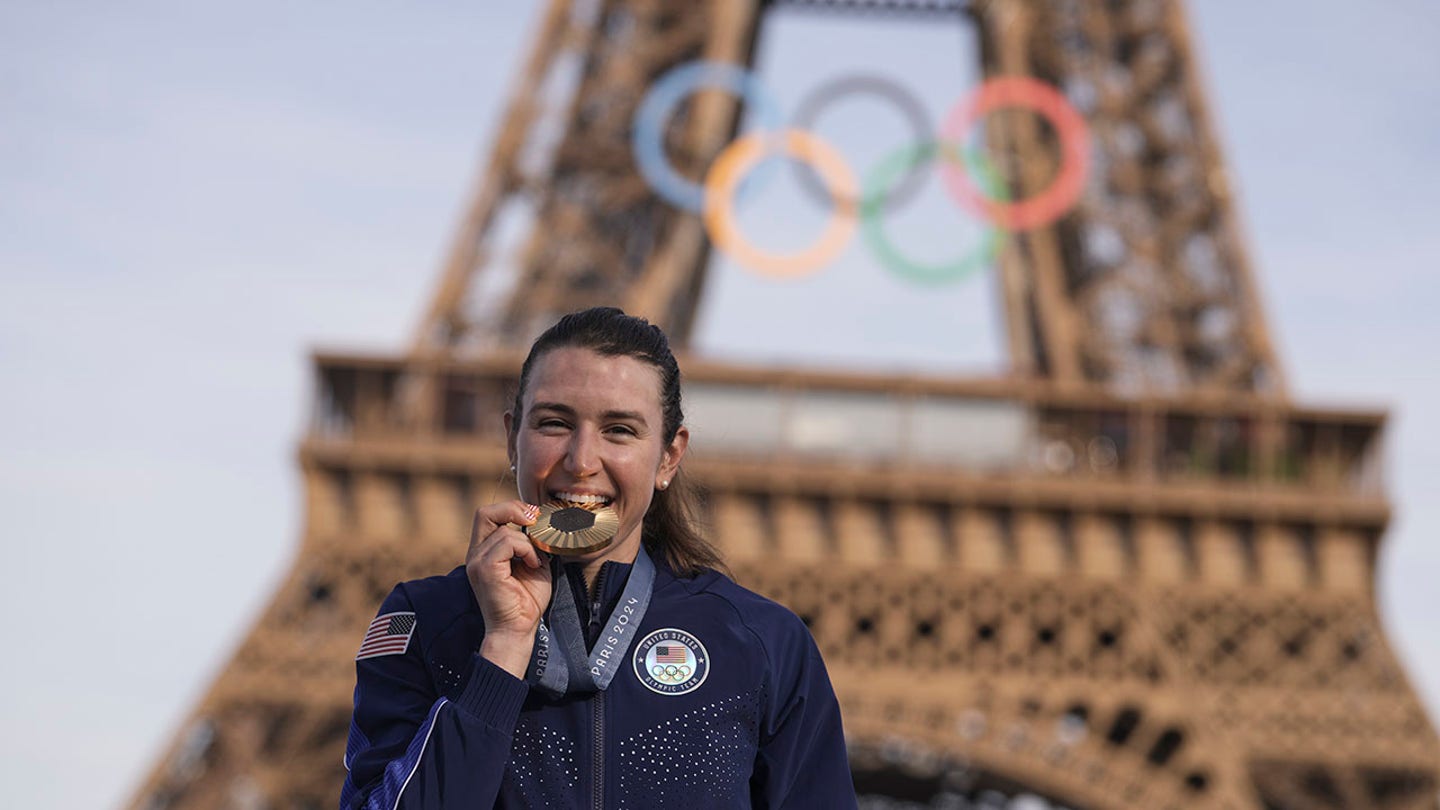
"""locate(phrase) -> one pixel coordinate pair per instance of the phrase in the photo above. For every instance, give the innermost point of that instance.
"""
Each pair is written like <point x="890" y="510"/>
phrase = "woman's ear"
<point x="670" y="459"/>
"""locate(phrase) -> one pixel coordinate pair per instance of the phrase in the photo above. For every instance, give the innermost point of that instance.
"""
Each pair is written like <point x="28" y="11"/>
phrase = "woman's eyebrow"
<point x="552" y="406"/>
<point x="557" y="407"/>
<point x="628" y="416"/>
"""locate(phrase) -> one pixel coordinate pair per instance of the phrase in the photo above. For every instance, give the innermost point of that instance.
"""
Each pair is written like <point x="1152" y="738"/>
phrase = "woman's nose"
<point x="583" y="459"/>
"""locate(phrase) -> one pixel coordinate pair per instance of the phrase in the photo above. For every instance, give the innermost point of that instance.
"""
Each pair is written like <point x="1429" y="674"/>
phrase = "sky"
<point x="195" y="196"/>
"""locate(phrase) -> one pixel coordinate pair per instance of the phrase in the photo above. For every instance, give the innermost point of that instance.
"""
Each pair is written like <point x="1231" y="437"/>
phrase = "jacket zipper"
<point x="595" y="606"/>
<point x="598" y="774"/>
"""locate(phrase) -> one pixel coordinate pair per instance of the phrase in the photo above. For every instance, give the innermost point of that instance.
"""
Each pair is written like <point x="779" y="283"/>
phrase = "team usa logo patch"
<point x="671" y="662"/>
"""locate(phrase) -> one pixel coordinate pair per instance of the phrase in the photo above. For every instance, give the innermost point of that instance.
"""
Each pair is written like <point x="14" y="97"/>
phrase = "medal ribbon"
<point x="560" y="663"/>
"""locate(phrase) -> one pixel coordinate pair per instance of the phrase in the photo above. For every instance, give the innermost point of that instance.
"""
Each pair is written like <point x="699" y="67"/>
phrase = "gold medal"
<point x="570" y="530"/>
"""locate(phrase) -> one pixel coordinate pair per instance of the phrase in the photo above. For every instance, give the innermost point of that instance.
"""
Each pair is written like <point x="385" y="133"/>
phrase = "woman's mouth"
<point x="578" y="499"/>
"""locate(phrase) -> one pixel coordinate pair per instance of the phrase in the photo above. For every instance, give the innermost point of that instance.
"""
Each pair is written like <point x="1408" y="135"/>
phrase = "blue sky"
<point x="192" y="196"/>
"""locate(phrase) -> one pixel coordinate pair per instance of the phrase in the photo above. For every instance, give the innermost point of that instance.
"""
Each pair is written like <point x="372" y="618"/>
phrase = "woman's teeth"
<point x="581" y="499"/>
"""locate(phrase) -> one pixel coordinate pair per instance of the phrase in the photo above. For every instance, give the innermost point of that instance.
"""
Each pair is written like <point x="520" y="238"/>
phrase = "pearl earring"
<point x="664" y="484"/>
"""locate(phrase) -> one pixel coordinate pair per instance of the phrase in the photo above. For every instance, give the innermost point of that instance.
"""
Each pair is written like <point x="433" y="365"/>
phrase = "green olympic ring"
<point x="871" y="211"/>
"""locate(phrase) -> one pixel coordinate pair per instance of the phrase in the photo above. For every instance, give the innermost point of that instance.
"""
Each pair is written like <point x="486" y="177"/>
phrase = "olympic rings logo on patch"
<point x="671" y="662"/>
<point x="670" y="673"/>
<point x="968" y="176"/>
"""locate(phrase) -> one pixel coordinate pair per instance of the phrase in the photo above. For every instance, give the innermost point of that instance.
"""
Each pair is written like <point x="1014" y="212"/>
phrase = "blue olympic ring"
<point x="647" y="138"/>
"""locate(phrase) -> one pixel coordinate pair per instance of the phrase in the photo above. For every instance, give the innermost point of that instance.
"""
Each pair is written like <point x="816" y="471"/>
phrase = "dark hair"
<point x="669" y="528"/>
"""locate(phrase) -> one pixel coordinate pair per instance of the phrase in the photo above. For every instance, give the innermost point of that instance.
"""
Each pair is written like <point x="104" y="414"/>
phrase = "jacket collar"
<point x="610" y="582"/>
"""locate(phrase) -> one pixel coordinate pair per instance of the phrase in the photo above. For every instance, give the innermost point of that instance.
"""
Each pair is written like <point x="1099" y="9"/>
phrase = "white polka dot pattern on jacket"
<point x="702" y="758"/>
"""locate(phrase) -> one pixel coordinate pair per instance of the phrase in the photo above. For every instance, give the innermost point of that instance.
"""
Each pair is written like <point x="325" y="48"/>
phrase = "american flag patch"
<point x="671" y="654"/>
<point x="388" y="635"/>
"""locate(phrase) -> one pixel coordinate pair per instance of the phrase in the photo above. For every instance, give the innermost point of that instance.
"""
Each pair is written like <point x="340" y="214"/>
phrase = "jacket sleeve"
<point x="411" y="748"/>
<point x="802" y="760"/>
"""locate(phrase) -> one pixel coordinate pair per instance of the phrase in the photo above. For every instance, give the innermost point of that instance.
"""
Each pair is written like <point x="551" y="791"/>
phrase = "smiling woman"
<point x="632" y="673"/>
<point x="623" y="368"/>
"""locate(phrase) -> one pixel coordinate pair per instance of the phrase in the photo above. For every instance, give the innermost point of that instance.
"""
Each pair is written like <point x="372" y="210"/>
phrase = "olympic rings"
<point x="741" y="156"/>
<point x="1064" y="190"/>
<point x="647" y="138"/>
<point x="883" y="173"/>
<point x="658" y="671"/>
<point x="974" y="184"/>
<point x="909" y="106"/>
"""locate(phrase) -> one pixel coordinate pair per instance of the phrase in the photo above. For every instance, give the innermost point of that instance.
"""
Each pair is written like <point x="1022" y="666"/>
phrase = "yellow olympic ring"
<point x="737" y="159"/>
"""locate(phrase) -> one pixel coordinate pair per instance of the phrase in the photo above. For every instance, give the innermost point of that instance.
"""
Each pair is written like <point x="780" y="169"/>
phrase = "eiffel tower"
<point x="1130" y="573"/>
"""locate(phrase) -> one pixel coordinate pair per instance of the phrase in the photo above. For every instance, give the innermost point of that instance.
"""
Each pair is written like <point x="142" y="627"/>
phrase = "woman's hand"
<point x="510" y="581"/>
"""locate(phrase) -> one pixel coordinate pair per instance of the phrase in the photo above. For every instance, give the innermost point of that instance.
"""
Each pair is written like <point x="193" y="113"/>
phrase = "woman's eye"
<point x="550" y="424"/>
<point x="623" y="430"/>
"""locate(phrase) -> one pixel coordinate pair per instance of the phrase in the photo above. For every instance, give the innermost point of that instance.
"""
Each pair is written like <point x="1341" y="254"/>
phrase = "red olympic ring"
<point x="1063" y="191"/>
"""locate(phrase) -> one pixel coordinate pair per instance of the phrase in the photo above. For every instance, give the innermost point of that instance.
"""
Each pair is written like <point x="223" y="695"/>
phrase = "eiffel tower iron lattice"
<point x="1129" y="574"/>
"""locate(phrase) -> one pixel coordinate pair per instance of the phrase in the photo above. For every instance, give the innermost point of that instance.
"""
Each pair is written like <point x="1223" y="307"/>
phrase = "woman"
<point x="633" y="676"/>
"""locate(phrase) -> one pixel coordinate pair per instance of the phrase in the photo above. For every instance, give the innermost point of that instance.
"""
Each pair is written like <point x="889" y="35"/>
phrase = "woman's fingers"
<point x="494" y="534"/>
<point x="503" y="546"/>
<point x="510" y="578"/>
<point x="491" y="517"/>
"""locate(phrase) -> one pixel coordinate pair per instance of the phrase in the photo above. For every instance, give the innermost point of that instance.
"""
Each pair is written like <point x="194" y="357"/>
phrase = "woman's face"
<point x="590" y="429"/>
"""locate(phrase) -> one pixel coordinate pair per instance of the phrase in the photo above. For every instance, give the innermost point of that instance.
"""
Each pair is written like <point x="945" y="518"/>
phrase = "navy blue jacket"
<point x="745" y="717"/>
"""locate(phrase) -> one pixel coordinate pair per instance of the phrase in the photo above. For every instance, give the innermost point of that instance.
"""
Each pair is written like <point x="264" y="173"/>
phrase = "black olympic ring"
<point x="859" y="83"/>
